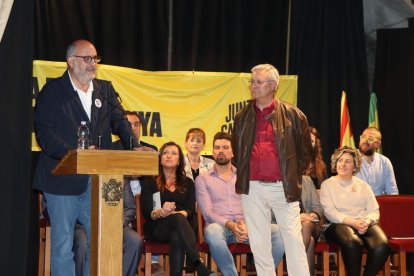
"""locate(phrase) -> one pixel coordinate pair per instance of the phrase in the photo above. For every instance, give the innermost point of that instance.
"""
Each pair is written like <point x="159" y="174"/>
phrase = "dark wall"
<point x="204" y="35"/>
<point x="328" y="55"/>
<point x="394" y="84"/>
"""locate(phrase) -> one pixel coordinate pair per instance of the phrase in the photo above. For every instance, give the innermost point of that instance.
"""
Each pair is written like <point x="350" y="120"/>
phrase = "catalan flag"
<point x="346" y="137"/>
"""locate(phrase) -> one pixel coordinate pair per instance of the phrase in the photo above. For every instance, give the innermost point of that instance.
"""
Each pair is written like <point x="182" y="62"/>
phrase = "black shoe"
<point x="202" y="270"/>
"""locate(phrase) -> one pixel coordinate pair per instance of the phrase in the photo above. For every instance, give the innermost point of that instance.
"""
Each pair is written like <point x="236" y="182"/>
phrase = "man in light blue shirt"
<point x="376" y="169"/>
<point x="221" y="208"/>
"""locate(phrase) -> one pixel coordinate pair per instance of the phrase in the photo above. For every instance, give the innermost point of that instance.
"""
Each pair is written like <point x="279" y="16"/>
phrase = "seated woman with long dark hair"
<point x="171" y="222"/>
<point x="350" y="205"/>
<point x="317" y="168"/>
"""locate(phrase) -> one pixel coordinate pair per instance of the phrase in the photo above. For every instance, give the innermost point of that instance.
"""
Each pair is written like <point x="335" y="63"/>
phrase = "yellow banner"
<point x="171" y="102"/>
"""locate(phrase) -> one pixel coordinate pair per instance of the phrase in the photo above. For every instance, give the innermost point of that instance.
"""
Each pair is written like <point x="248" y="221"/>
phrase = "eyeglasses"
<point x="369" y="139"/>
<point x="259" y="82"/>
<point x="88" y="59"/>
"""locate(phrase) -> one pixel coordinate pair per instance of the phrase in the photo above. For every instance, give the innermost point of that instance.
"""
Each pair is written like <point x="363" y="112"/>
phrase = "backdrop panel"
<point x="172" y="102"/>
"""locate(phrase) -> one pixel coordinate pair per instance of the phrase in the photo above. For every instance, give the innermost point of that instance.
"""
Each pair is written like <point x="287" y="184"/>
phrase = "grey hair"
<point x="272" y="71"/>
<point x="70" y="51"/>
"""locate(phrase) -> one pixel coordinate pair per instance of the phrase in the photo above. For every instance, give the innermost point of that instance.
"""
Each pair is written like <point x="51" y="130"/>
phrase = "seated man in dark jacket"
<point x="135" y="121"/>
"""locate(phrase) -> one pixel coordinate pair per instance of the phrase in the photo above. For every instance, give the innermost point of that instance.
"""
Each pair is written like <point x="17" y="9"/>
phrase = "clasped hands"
<point x="361" y="225"/>
<point x="239" y="229"/>
<point x="309" y="217"/>
<point x="168" y="209"/>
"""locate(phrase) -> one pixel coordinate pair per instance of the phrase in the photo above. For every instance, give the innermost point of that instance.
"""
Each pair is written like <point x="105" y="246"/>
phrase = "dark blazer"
<point x="58" y="114"/>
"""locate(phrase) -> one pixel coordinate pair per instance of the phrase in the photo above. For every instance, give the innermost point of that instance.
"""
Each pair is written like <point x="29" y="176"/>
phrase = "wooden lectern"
<point x="107" y="169"/>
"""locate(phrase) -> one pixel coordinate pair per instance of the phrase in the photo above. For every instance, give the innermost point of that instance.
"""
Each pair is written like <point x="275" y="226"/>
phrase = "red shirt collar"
<point x="266" y="110"/>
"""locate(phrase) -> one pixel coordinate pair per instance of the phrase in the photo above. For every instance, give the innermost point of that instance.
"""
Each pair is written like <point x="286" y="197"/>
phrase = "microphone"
<point x="131" y="143"/>
<point x="113" y="105"/>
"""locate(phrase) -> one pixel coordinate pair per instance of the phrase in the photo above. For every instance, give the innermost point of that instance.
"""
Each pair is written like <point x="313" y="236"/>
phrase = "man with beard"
<point x="376" y="169"/>
<point x="61" y="106"/>
<point x="221" y="208"/>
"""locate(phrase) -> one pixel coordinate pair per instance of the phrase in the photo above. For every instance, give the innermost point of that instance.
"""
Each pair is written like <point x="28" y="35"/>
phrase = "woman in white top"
<point x="351" y="207"/>
<point x="195" y="164"/>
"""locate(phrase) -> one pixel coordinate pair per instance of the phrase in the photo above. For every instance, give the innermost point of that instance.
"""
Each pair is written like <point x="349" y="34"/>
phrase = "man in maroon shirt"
<point x="272" y="148"/>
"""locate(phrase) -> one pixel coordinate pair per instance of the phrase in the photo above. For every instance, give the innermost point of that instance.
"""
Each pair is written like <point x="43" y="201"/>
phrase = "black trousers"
<point x="352" y="244"/>
<point x="177" y="231"/>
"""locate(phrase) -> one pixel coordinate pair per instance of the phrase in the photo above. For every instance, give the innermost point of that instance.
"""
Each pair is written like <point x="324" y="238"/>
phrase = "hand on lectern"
<point x="144" y="148"/>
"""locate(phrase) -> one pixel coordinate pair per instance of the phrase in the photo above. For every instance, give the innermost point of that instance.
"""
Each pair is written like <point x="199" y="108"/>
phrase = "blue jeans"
<point x="64" y="211"/>
<point x="218" y="237"/>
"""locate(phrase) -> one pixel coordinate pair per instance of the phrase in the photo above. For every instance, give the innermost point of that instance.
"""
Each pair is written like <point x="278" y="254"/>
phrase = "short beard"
<point x="222" y="161"/>
<point x="368" y="152"/>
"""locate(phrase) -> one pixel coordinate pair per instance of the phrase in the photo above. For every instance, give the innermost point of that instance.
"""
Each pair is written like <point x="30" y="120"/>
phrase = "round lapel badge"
<point x="98" y="103"/>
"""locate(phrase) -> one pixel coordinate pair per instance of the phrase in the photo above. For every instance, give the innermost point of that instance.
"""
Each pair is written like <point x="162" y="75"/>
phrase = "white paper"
<point x="135" y="187"/>
<point x="156" y="200"/>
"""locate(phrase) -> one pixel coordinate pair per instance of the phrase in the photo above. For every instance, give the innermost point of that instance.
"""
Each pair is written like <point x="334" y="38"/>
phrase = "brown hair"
<point x="317" y="168"/>
<point x="221" y="136"/>
<point x="180" y="177"/>
<point x="196" y="132"/>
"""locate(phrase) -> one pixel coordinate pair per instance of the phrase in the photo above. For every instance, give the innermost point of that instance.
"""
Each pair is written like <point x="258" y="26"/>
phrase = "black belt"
<point x="267" y="181"/>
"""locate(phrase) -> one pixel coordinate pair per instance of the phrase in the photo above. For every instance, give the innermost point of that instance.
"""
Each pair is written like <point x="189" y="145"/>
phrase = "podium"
<point x="107" y="169"/>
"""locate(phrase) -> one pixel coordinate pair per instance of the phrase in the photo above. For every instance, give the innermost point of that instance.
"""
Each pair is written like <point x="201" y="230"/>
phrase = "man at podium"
<point x="61" y="106"/>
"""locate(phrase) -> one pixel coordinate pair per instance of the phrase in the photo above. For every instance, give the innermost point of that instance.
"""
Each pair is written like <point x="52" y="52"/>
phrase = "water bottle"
<point x="83" y="136"/>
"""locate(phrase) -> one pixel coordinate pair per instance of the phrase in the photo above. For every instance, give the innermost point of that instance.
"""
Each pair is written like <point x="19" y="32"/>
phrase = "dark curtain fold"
<point x="229" y="36"/>
<point x="18" y="231"/>
<point x="394" y="85"/>
<point x="126" y="33"/>
<point x="328" y="55"/>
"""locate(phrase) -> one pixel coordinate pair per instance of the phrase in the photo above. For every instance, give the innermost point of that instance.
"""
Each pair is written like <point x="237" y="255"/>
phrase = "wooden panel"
<point x="106" y="230"/>
<point x="108" y="162"/>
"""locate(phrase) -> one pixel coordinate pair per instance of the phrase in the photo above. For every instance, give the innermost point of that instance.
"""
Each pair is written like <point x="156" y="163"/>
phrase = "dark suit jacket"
<point x="58" y="114"/>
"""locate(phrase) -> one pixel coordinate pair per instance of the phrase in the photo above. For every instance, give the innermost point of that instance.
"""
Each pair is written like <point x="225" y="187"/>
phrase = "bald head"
<point x="78" y="44"/>
<point x="82" y="59"/>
